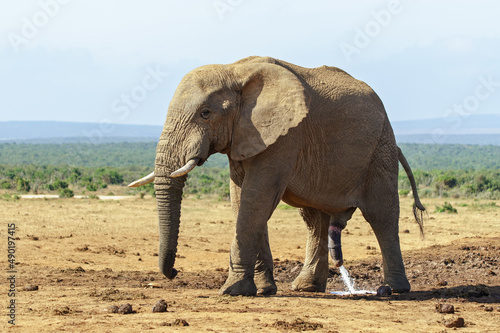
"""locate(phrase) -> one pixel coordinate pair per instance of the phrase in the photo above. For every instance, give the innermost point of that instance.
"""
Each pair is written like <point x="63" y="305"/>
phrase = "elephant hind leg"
<point x="381" y="209"/>
<point x="386" y="230"/>
<point x="314" y="274"/>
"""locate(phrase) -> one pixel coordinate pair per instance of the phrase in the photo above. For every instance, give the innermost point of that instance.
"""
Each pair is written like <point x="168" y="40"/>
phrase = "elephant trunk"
<point x="172" y="152"/>
<point x="168" y="198"/>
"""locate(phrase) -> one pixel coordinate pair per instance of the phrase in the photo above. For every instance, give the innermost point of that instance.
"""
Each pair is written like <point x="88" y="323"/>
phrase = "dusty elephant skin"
<point x="315" y="138"/>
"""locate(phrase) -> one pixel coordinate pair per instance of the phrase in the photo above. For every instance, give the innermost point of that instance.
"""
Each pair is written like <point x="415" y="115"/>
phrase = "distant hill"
<point x="465" y="139"/>
<point x="474" y="129"/>
<point x="483" y="129"/>
<point x="452" y="125"/>
<point x="59" y="132"/>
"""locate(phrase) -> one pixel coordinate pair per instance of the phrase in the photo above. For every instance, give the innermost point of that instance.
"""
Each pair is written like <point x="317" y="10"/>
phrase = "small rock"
<point x="152" y="285"/>
<point x="160" y="306"/>
<point x="445" y="308"/>
<point x="384" y="291"/>
<point x="448" y="261"/>
<point x="30" y="287"/>
<point x="488" y="309"/>
<point x="180" y="322"/>
<point x="443" y="283"/>
<point x="65" y="310"/>
<point x="125" y="308"/>
<point x="112" y="309"/>
<point x="458" y="322"/>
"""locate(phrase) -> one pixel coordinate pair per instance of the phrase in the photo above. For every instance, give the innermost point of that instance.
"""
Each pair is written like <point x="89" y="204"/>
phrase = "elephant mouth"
<point x="202" y="160"/>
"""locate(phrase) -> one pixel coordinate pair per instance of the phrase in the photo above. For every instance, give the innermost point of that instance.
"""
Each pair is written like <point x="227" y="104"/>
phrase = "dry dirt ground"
<point x="86" y="255"/>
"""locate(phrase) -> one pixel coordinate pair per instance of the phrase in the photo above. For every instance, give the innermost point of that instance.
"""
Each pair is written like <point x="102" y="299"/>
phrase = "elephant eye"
<point x="205" y="114"/>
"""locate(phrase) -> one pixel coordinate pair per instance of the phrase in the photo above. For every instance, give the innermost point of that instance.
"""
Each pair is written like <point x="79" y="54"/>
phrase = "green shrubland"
<point x="440" y="170"/>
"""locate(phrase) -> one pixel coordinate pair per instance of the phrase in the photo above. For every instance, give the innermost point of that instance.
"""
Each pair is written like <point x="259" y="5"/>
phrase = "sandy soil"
<point x="55" y="196"/>
<point x="87" y="255"/>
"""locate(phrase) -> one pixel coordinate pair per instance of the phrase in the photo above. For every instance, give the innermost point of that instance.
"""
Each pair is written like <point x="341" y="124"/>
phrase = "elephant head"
<point x="238" y="110"/>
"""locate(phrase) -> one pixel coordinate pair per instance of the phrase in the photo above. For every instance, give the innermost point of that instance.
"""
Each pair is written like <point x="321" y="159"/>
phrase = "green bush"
<point x="10" y="197"/>
<point x="60" y="184"/>
<point x="109" y="176"/>
<point x="66" y="193"/>
<point x="5" y="184"/>
<point x="450" y="181"/>
<point x="446" y="208"/>
<point x="404" y="192"/>
<point x="23" y="185"/>
<point x="92" y="187"/>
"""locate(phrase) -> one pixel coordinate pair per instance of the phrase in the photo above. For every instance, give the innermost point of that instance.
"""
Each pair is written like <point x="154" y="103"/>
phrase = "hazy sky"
<point x="120" y="61"/>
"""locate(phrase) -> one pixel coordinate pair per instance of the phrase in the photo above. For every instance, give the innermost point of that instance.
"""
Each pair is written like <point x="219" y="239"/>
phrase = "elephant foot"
<point x="398" y="284"/>
<point x="237" y="285"/>
<point x="307" y="282"/>
<point x="265" y="283"/>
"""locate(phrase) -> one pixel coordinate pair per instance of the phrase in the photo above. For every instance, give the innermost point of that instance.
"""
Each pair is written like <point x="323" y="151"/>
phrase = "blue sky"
<point x="120" y="61"/>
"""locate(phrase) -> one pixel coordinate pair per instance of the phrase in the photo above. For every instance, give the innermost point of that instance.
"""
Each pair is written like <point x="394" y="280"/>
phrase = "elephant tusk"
<point x="143" y="181"/>
<point x="185" y="169"/>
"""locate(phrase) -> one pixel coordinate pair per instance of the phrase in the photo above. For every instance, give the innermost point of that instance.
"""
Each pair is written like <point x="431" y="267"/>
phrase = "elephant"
<point x="315" y="138"/>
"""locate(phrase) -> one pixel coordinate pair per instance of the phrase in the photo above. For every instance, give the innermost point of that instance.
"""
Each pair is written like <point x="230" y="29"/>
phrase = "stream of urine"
<point x="349" y="283"/>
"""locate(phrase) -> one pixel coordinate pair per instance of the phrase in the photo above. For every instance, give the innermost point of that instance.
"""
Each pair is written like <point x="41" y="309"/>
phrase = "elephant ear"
<point x="273" y="101"/>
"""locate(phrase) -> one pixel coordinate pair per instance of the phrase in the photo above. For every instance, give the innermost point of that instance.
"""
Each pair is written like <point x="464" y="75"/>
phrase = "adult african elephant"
<point x="315" y="138"/>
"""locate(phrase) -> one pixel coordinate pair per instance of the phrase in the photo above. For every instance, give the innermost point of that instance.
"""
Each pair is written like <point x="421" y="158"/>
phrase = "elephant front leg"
<point x="251" y="261"/>
<point x="263" y="271"/>
<point x="264" y="277"/>
<point x="250" y="267"/>
<point x="241" y="272"/>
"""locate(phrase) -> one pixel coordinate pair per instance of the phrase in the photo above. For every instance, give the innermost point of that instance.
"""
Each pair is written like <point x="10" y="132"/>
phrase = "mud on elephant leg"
<point x="314" y="274"/>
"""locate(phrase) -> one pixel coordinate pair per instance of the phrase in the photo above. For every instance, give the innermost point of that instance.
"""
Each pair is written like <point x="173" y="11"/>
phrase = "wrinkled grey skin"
<point x="317" y="139"/>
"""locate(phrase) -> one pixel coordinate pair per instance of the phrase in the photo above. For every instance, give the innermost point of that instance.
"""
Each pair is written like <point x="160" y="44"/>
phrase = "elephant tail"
<point x="418" y="208"/>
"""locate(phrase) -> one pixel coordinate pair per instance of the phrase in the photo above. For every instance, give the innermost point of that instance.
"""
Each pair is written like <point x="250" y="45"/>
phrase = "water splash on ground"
<point x="349" y="283"/>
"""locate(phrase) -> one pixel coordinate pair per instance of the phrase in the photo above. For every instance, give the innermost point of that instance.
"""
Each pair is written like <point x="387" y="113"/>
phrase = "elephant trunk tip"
<point x="169" y="273"/>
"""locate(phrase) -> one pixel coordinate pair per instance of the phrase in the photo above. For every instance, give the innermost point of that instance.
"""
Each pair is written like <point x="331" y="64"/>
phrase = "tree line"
<point x="440" y="170"/>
